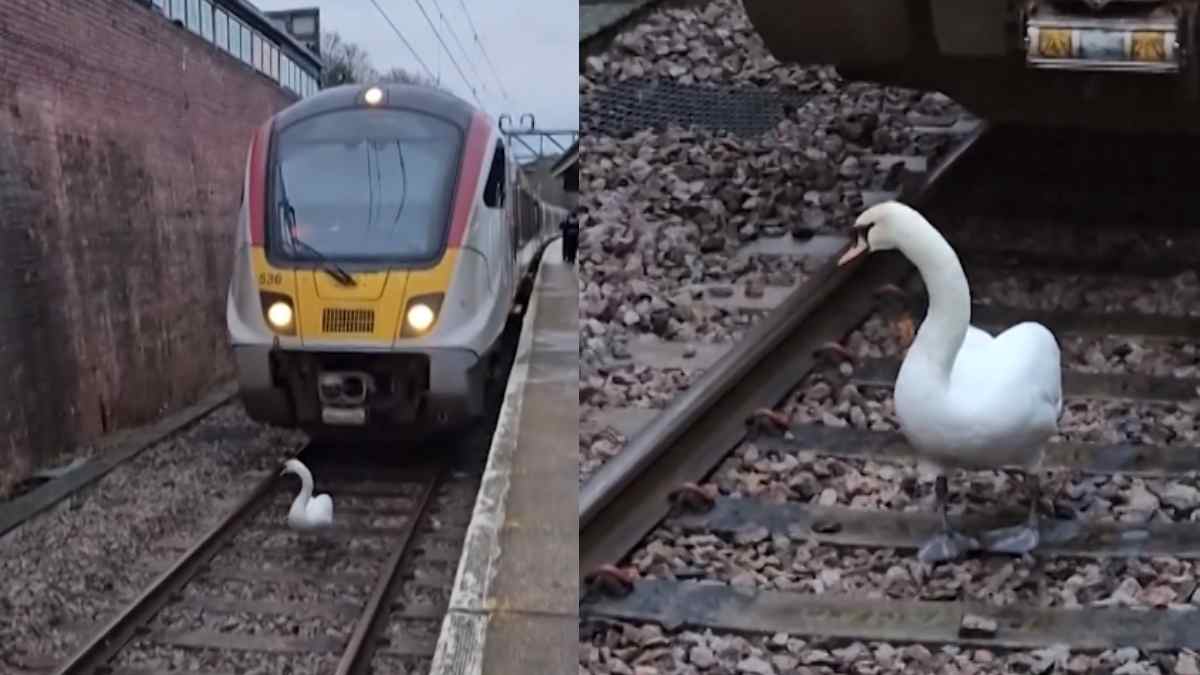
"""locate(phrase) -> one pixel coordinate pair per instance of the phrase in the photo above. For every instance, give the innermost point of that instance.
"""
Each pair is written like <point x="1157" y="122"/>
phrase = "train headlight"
<point x="280" y="315"/>
<point x="373" y="96"/>
<point x="420" y="317"/>
<point x="279" y="312"/>
<point x="420" y="314"/>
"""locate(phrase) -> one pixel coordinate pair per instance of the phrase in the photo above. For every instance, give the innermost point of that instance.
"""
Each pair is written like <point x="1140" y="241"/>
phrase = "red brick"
<point x="122" y="139"/>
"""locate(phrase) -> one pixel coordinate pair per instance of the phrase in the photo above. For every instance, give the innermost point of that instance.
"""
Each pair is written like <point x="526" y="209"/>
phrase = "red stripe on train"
<point x="258" y="184"/>
<point x="468" y="178"/>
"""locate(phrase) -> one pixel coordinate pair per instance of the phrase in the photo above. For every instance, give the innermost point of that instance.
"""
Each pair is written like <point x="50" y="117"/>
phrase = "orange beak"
<point x="860" y="247"/>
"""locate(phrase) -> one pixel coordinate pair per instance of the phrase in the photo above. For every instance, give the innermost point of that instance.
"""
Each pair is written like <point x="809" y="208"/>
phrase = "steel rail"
<point x="123" y="627"/>
<point x="628" y="496"/>
<point x="357" y="656"/>
<point x="1022" y="625"/>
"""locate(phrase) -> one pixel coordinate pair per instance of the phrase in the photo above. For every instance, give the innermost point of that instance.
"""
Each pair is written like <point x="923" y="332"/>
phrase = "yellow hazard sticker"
<point x="1148" y="46"/>
<point x="1054" y="43"/>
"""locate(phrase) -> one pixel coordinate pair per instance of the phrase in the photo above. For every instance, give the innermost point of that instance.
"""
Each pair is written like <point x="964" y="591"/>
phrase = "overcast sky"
<point x="533" y="44"/>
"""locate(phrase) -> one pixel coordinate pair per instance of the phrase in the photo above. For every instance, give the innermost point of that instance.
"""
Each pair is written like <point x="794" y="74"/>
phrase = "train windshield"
<point x="364" y="185"/>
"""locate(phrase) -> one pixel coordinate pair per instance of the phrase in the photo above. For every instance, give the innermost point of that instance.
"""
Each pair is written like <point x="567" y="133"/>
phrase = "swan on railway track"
<point x="307" y="512"/>
<point x="965" y="399"/>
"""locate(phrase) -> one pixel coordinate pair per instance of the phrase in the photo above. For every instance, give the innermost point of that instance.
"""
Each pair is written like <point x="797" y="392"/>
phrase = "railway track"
<point x="250" y="591"/>
<point x="717" y="519"/>
<point x="250" y="595"/>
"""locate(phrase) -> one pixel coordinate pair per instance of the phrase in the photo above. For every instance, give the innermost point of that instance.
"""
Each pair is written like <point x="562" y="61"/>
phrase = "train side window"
<point x="493" y="191"/>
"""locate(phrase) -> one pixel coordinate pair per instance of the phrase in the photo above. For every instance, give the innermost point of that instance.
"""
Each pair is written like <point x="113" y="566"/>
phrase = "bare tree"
<point x="409" y="77"/>
<point x="345" y="62"/>
<point x="348" y="63"/>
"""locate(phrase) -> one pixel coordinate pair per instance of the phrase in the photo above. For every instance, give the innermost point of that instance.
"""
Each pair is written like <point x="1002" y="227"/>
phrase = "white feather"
<point x="308" y="512"/>
<point x="966" y="399"/>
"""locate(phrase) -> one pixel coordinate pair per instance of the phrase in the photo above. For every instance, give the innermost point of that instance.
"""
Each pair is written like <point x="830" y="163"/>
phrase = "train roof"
<point x="421" y="98"/>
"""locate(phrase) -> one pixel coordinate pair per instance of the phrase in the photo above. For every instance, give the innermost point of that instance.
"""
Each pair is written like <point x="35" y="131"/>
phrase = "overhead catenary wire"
<point x="461" y="49"/>
<point x="453" y="61"/>
<point x="403" y="39"/>
<point x="479" y="43"/>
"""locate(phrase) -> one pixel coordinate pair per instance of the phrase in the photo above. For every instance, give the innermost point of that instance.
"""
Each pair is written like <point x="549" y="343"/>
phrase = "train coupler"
<point x="343" y="395"/>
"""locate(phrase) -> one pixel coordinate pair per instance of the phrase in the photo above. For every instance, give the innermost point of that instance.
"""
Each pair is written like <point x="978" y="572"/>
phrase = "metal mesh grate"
<point x="348" y="321"/>
<point x="633" y="105"/>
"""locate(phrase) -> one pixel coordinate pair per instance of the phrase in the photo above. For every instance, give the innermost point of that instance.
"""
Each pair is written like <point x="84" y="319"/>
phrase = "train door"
<point x="495" y="196"/>
<point x="512" y="209"/>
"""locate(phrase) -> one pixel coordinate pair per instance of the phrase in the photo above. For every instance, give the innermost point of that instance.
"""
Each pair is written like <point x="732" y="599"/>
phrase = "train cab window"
<point x="493" y="191"/>
<point x="363" y="185"/>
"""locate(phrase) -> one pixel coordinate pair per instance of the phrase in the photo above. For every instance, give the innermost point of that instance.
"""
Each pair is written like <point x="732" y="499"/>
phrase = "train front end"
<point x="372" y="274"/>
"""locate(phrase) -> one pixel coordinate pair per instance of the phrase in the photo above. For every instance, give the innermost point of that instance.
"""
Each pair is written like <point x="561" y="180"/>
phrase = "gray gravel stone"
<point x="75" y="566"/>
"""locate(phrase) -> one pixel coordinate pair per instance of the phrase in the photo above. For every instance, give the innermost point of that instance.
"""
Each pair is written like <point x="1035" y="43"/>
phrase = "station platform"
<point x="515" y="604"/>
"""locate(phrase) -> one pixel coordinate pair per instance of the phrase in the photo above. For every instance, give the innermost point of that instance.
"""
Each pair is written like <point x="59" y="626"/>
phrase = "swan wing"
<point x="975" y="341"/>
<point x="1012" y="380"/>
<point x="1033" y="353"/>
<point x="320" y="509"/>
<point x="976" y="338"/>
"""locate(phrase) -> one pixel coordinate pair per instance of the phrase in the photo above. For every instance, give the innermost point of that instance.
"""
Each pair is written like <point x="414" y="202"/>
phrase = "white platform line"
<point x="463" y="635"/>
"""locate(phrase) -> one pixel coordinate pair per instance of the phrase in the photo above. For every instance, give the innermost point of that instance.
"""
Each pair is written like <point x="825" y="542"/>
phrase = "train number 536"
<point x="270" y="279"/>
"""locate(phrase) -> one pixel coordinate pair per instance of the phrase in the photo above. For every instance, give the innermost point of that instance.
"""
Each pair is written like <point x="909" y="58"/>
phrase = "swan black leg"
<point x="1018" y="539"/>
<point x="949" y="544"/>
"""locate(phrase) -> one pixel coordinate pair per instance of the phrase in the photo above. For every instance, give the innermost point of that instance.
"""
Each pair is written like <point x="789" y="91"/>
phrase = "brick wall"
<point x="122" y="142"/>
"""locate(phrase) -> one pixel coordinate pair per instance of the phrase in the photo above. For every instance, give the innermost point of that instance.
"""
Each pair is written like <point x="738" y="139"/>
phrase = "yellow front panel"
<point x="369" y="313"/>
<point x="433" y="280"/>
<point x="274" y="279"/>
<point x="368" y="286"/>
<point x="350" y="319"/>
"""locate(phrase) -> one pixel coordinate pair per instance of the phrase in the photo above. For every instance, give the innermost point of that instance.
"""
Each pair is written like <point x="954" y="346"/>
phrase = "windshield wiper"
<point x="328" y="266"/>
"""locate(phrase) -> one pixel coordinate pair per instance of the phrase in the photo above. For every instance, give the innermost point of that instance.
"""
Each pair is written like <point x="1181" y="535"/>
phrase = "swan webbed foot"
<point x="945" y="546"/>
<point x="950" y="544"/>
<point x="1018" y="539"/>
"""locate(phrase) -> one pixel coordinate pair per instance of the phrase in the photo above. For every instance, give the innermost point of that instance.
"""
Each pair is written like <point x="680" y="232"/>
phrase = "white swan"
<point x="965" y="399"/>
<point x="307" y="512"/>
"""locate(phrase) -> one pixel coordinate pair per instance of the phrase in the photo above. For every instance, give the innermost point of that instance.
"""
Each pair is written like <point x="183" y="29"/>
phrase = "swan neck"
<point x="945" y="327"/>
<point x="306" y="483"/>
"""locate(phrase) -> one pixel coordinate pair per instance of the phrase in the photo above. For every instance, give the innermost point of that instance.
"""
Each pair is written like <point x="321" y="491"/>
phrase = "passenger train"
<point x="377" y="260"/>
<point x="1110" y="64"/>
